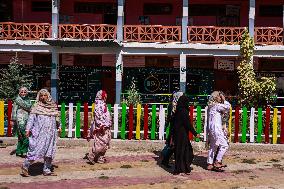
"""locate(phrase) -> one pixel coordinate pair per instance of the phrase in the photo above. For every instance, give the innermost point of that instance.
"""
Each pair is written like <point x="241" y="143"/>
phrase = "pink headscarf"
<point x="102" y="117"/>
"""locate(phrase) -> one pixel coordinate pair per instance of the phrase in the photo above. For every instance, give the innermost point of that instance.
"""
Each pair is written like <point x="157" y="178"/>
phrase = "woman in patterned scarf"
<point x="42" y="132"/>
<point x="20" y="114"/>
<point x="100" y="129"/>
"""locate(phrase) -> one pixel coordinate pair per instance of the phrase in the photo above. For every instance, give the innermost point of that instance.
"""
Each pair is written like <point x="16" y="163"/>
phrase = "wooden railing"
<point x="142" y="33"/>
<point x="215" y="35"/>
<point x="24" y="31"/>
<point x="86" y="31"/>
<point x="268" y="36"/>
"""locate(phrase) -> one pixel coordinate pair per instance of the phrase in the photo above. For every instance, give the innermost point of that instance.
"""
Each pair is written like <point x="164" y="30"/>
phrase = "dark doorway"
<point x="6" y="10"/>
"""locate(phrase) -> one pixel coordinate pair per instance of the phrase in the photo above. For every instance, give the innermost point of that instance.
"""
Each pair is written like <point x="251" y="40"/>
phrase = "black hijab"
<point x="183" y="102"/>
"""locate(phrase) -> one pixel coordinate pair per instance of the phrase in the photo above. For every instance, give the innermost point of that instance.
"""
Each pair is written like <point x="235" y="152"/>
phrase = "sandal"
<point x="49" y="174"/>
<point x="210" y="167"/>
<point x="25" y="172"/>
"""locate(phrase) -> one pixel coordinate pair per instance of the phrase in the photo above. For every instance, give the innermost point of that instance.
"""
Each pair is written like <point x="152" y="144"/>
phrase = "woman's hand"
<point x="197" y="136"/>
<point x="28" y="133"/>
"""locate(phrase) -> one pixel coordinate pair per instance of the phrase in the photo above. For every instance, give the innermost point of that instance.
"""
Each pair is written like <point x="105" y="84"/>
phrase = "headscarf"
<point x="102" y="116"/>
<point x="176" y="97"/>
<point x="183" y="102"/>
<point x="49" y="108"/>
<point x="23" y="102"/>
<point x="213" y="98"/>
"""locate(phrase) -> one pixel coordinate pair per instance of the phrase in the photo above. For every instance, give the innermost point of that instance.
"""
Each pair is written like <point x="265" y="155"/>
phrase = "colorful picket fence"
<point x="149" y="122"/>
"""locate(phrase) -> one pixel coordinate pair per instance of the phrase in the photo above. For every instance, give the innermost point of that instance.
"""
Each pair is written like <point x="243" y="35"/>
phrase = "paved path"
<point x="134" y="167"/>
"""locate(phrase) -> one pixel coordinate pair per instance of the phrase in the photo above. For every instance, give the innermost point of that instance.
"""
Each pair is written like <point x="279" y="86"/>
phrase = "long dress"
<point x="183" y="149"/>
<point x="43" y="138"/>
<point x="20" y="116"/>
<point x="217" y="136"/>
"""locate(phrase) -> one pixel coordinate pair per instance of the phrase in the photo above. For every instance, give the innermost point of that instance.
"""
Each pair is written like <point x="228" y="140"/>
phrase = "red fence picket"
<point x="191" y="110"/>
<point x="237" y="124"/>
<point x="267" y="123"/>
<point x="282" y="127"/>
<point x="130" y="133"/>
<point x="86" y="110"/>
<point x="10" y="106"/>
<point x="146" y="122"/>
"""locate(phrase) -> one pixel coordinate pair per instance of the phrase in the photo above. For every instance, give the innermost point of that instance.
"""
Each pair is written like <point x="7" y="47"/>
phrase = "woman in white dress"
<point x="217" y="134"/>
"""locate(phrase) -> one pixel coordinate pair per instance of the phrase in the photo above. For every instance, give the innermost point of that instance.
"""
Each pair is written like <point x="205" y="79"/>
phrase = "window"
<point x="95" y="7"/>
<point x="271" y="10"/>
<point x="271" y="64"/>
<point x="206" y="10"/>
<point x="159" y="61"/>
<point x="41" y="6"/>
<point x="88" y="60"/>
<point x="42" y="59"/>
<point x="200" y="62"/>
<point x="157" y="9"/>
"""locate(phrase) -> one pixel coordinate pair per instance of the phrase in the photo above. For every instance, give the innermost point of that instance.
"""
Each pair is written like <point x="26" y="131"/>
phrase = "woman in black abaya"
<point x="183" y="148"/>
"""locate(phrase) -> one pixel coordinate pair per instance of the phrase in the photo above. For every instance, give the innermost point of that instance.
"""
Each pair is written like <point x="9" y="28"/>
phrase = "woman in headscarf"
<point x="20" y="115"/>
<point x="41" y="129"/>
<point x="168" y="149"/>
<point x="182" y="127"/>
<point x="217" y="133"/>
<point x="100" y="129"/>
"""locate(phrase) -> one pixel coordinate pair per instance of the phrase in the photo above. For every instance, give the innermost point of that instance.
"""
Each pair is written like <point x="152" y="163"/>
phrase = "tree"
<point x="133" y="96"/>
<point x="253" y="91"/>
<point x="12" y="78"/>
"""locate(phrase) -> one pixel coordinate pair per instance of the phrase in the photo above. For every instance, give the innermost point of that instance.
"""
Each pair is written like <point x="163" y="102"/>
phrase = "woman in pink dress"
<point x="100" y="129"/>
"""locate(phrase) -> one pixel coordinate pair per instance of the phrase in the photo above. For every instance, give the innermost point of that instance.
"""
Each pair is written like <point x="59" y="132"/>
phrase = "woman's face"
<point x="23" y="93"/>
<point x="43" y="97"/>
<point x="218" y="99"/>
<point x="105" y="97"/>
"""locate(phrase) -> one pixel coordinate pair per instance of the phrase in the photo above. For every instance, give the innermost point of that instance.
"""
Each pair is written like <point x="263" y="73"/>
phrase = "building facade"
<point x="77" y="47"/>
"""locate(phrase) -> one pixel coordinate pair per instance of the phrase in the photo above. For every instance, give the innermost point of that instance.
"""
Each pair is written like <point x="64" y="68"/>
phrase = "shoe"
<point x="49" y="174"/>
<point x="166" y="165"/>
<point x="25" y="172"/>
<point x="90" y="160"/>
<point x="210" y="167"/>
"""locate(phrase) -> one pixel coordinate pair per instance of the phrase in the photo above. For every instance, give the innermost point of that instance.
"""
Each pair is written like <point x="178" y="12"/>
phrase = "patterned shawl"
<point x="102" y="117"/>
<point x="23" y="102"/>
<point x="176" y="96"/>
<point x="49" y="108"/>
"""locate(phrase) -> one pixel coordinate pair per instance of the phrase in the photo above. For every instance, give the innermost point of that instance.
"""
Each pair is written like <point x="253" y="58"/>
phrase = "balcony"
<point x="140" y="33"/>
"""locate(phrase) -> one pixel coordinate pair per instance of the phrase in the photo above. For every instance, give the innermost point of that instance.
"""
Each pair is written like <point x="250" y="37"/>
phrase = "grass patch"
<point x="235" y="187"/>
<point x="277" y="165"/>
<point x="274" y="160"/>
<point x="3" y="187"/>
<point x="144" y="160"/>
<point x="241" y="171"/>
<point x="249" y="161"/>
<point x="126" y="166"/>
<point x="103" y="177"/>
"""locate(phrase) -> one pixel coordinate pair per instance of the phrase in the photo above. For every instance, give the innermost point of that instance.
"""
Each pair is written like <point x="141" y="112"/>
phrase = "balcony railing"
<point x="215" y="35"/>
<point x="85" y="31"/>
<point x="24" y="31"/>
<point x="268" y="36"/>
<point x="140" y="33"/>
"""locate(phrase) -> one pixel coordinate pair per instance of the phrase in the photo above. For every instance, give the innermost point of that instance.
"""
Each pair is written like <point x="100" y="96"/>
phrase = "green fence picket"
<point x="109" y="107"/>
<point x="153" y="128"/>
<point x="168" y="130"/>
<point x="63" y="121"/>
<point x="244" y="126"/>
<point x="123" y="122"/>
<point x="198" y="124"/>
<point x="259" y="125"/>
<point x="78" y="120"/>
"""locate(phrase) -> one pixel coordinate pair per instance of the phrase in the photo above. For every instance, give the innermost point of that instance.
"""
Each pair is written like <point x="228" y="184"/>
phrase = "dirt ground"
<point x="137" y="165"/>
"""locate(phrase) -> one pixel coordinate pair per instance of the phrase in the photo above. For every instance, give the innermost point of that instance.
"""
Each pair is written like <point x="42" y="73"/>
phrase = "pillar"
<point x="55" y="18"/>
<point x="251" y="17"/>
<point x="182" y="72"/>
<point x="120" y="20"/>
<point x="118" y="77"/>
<point x="54" y="74"/>
<point x="184" y="21"/>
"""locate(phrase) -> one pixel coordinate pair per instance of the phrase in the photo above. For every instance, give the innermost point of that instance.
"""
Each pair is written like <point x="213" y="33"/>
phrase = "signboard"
<point x="228" y="65"/>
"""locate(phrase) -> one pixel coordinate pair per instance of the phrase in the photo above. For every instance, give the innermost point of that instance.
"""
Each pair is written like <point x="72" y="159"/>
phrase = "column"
<point x="283" y="23"/>
<point x="120" y="20"/>
<point x="55" y="18"/>
<point x="184" y="21"/>
<point x="251" y="17"/>
<point x="55" y="55"/>
<point x="118" y="77"/>
<point x="182" y="72"/>
<point x="54" y="74"/>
